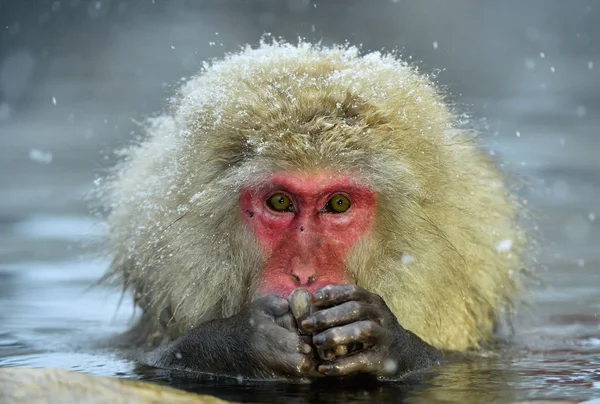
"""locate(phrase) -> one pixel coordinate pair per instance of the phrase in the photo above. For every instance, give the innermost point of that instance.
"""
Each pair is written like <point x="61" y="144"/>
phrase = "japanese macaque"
<point x="307" y="212"/>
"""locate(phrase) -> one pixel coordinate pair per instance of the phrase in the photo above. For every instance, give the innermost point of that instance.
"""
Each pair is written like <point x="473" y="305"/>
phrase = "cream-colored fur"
<point x="444" y="252"/>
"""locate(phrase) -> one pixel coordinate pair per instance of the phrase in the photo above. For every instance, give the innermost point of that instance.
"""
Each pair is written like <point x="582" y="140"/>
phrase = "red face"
<point x="306" y="226"/>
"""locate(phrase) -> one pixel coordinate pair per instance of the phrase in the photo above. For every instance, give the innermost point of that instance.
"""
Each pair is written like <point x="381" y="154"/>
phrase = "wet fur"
<point x="176" y="231"/>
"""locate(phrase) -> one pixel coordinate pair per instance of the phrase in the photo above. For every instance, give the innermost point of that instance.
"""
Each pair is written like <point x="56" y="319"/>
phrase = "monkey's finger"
<point x="300" y="303"/>
<point x="363" y="362"/>
<point x="273" y="305"/>
<point x="307" y="340"/>
<point x="302" y="366"/>
<point x="331" y="354"/>
<point x="326" y="354"/>
<point x="287" y="321"/>
<point x="309" y="368"/>
<point x="335" y="294"/>
<point x="305" y="348"/>
<point x="344" y="313"/>
<point x="341" y="350"/>
<point x="365" y="332"/>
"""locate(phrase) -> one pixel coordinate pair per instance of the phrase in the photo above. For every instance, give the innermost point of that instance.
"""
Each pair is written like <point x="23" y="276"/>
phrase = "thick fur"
<point x="444" y="253"/>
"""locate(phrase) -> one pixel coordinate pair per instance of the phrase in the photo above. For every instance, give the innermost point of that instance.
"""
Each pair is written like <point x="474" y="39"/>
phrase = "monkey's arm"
<point x="257" y="343"/>
<point x="355" y="332"/>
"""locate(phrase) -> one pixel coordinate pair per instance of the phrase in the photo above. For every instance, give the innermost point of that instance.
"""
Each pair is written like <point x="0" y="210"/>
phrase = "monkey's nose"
<point x="303" y="271"/>
<point x="303" y="280"/>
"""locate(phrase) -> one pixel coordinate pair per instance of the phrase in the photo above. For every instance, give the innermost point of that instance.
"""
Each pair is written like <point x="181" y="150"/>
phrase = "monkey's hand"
<point x="274" y="343"/>
<point x="354" y="331"/>
<point x="260" y="342"/>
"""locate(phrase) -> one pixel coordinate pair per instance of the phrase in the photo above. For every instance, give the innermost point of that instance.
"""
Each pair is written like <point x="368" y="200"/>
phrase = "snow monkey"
<point x="306" y="211"/>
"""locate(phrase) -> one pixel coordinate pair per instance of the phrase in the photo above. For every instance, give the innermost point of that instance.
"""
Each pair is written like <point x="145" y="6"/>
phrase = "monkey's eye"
<point x="280" y="203"/>
<point x="338" y="204"/>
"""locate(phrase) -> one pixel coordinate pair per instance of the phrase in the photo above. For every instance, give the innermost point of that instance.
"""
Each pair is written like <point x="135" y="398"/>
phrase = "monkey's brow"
<point x="301" y="189"/>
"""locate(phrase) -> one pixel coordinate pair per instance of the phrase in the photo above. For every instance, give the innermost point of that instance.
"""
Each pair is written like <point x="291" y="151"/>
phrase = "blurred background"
<point x="76" y="74"/>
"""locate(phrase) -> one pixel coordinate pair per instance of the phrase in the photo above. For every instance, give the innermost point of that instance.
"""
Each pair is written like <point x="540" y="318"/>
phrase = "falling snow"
<point x="407" y="259"/>
<point x="504" y="246"/>
<point x="196" y="196"/>
<point x="40" y="156"/>
<point x="530" y="63"/>
<point x="390" y="366"/>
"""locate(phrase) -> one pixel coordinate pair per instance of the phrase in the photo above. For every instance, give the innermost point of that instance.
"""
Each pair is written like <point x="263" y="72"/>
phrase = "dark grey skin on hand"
<point x="350" y="331"/>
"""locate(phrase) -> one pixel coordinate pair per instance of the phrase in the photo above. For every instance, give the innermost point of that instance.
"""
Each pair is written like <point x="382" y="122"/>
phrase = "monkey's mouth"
<point x="286" y="290"/>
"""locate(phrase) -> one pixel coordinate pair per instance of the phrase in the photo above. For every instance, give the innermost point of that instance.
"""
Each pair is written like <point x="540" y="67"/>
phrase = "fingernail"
<point x="319" y="340"/>
<point x="341" y="350"/>
<point x="327" y="354"/>
<point x="328" y="369"/>
<point x="324" y="368"/>
<point x="308" y="323"/>
<point x="305" y="349"/>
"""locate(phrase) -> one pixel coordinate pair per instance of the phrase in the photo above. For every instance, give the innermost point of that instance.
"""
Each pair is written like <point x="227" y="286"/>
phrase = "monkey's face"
<point x="306" y="225"/>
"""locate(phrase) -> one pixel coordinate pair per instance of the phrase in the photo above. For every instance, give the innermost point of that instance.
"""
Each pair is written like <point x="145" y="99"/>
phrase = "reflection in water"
<point x="560" y="374"/>
<point x="467" y="381"/>
<point x="325" y="390"/>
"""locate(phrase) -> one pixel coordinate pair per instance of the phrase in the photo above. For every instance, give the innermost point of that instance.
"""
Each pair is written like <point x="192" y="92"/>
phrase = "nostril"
<point x="303" y="279"/>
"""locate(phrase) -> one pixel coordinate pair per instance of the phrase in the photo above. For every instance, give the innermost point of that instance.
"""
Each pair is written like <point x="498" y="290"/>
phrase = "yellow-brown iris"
<point x="280" y="203"/>
<point x="338" y="204"/>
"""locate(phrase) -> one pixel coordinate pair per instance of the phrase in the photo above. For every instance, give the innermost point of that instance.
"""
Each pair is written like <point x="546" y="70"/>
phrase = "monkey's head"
<point x="297" y="166"/>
